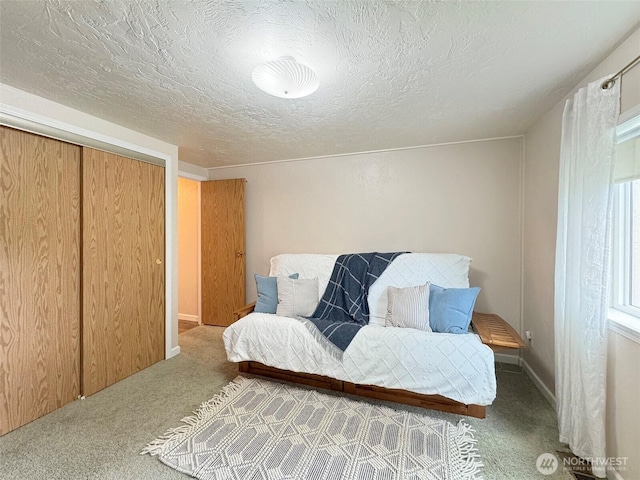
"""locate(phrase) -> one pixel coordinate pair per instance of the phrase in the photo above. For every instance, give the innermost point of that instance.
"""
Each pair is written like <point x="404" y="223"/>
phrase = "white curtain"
<point x="585" y="200"/>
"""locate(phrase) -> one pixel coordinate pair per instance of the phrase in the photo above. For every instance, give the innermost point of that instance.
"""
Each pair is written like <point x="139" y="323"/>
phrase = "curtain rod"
<point x="607" y="84"/>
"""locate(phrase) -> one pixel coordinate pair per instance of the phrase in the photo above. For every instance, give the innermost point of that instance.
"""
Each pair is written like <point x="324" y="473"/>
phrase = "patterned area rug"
<point x="256" y="429"/>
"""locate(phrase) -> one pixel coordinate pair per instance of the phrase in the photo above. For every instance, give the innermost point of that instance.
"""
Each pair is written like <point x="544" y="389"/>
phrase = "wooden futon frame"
<point x="492" y="330"/>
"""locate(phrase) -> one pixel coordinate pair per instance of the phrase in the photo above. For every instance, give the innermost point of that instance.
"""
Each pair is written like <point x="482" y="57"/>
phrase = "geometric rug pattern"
<point x="257" y="429"/>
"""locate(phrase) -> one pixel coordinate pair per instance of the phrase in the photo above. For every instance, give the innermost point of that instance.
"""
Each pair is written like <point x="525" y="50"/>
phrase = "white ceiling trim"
<point x="386" y="150"/>
<point x="23" y="120"/>
<point x="192" y="172"/>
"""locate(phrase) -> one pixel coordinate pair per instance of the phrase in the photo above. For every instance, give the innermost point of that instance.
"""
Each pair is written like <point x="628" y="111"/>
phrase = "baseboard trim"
<point x="538" y="383"/>
<point x="174" y="351"/>
<point x="188" y="318"/>
<point x="506" y="358"/>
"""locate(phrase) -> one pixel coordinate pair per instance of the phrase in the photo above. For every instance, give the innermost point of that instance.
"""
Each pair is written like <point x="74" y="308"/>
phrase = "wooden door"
<point x="223" y="243"/>
<point x="39" y="276"/>
<point x="123" y="268"/>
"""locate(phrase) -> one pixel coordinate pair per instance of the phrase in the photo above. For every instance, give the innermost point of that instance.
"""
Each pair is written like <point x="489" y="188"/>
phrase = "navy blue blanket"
<point x="344" y="307"/>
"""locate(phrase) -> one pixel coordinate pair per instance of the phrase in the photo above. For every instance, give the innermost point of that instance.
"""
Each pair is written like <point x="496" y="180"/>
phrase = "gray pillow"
<point x="297" y="296"/>
<point x="267" y="288"/>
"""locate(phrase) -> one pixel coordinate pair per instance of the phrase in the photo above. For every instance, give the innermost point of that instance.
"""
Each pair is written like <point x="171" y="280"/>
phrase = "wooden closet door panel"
<point x="223" y="250"/>
<point x="123" y="283"/>
<point x="39" y="276"/>
<point x="152" y="246"/>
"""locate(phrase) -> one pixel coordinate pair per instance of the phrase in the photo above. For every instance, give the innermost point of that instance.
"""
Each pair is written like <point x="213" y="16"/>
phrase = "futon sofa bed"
<point x="452" y="372"/>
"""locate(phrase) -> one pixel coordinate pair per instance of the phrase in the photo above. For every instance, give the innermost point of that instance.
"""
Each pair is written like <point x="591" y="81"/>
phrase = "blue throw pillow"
<point x="268" y="293"/>
<point x="450" y="309"/>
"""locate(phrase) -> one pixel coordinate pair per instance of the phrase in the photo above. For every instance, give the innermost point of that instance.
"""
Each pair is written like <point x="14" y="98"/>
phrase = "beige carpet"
<point x="101" y="437"/>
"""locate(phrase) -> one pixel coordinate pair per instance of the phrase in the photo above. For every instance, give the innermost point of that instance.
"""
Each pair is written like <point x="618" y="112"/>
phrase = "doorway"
<point x="189" y="261"/>
<point x="211" y="252"/>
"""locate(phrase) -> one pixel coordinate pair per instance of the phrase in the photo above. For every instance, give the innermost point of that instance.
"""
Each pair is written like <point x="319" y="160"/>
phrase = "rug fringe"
<point x="205" y="410"/>
<point x="467" y="463"/>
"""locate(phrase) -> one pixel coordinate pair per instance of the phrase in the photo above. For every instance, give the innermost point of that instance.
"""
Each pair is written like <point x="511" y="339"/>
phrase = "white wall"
<point x="542" y="152"/>
<point x="193" y="172"/>
<point x="623" y="396"/>
<point x="41" y="111"/>
<point x="462" y="198"/>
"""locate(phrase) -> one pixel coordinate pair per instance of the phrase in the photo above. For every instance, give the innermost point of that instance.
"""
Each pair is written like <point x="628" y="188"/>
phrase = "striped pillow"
<point x="408" y="307"/>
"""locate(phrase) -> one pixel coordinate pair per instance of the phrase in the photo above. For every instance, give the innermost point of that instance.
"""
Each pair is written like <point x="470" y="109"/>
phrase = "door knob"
<point x="158" y="261"/>
<point x="239" y="254"/>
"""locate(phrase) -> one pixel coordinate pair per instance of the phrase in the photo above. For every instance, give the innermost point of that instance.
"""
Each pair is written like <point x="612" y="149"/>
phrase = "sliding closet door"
<point x="123" y="267"/>
<point x="39" y="276"/>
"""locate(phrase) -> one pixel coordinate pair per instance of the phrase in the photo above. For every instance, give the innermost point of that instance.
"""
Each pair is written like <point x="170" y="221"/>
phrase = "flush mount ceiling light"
<point x="285" y="78"/>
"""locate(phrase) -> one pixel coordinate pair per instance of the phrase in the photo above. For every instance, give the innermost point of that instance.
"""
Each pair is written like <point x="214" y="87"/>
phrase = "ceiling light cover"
<point x="285" y="78"/>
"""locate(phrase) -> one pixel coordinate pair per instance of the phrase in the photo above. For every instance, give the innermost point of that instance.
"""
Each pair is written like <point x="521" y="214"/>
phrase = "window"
<point x="626" y="271"/>
<point x="634" y="201"/>
<point x="626" y="231"/>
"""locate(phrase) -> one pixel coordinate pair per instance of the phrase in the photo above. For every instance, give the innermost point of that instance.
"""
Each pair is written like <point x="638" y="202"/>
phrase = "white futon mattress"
<point x="458" y="367"/>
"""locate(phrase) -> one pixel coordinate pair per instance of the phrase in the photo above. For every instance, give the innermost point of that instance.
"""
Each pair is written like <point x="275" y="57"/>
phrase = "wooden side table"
<point x="495" y="331"/>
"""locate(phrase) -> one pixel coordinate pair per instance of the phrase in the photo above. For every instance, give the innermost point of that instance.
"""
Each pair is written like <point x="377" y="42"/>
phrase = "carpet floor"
<point x="101" y="436"/>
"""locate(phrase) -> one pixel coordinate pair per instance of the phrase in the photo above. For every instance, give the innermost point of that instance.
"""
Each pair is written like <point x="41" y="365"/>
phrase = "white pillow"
<point x="308" y="265"/>
<point x="297" y="296"/>
<point x="408" y="307"/>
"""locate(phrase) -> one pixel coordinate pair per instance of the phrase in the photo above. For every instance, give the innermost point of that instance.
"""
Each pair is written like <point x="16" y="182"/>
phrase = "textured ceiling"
<point x="392" y="74"/>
